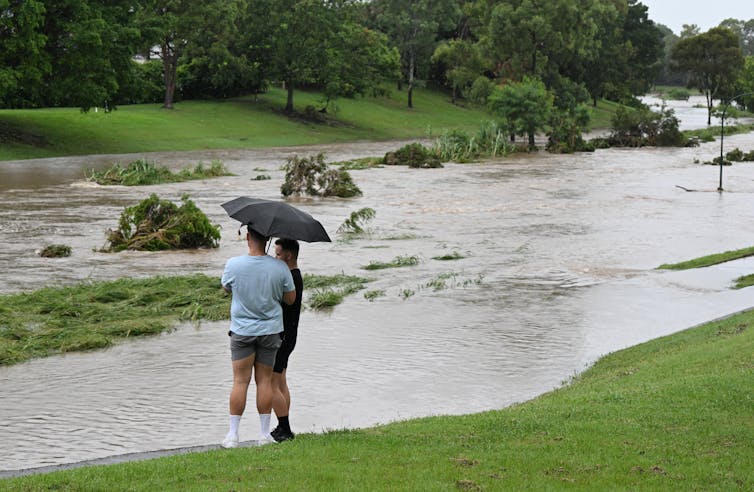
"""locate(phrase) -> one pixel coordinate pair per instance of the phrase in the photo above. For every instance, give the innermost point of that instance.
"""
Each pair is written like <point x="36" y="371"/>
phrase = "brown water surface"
<point x="559" y="269"/>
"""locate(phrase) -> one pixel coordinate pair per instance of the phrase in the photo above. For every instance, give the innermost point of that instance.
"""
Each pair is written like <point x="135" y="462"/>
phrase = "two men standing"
<point x="259" y="285"/>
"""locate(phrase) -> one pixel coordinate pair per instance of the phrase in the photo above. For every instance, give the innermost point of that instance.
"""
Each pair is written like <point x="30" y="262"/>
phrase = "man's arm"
<point x="289" y="297"/>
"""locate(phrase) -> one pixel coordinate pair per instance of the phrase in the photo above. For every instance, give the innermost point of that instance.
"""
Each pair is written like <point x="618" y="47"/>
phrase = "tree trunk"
<point x="513" y="137"/>
<point x="289" y="102"/>
<point x="531" y="140"/>
<point x="169" y="68"/>
<point x="411" y="63"/>
<point x="594" y="101"/>
<point x="453" y="96"/>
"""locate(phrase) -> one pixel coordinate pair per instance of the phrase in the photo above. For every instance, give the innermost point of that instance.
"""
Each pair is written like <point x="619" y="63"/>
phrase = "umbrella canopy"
<point x="278" y="219"/>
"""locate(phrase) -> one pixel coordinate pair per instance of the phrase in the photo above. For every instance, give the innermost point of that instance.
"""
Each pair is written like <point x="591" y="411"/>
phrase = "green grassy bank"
<point x="676" y="413"/>
<point x="709" y="260"/>
<point x="238" y="123"/>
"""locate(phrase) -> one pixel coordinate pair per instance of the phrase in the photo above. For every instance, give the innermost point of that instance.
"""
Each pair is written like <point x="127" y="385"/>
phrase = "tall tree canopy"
<point x="713" y="61"/>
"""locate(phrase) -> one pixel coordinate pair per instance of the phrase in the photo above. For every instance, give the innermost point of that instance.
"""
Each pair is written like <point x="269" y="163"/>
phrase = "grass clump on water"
<point x="709" y="260"/>
<point x="94" y="315"/>
<point x="143" y="172"/>
<point x="156" y="225"/>
<point x="455" y="255"/>
<point x="743" y="282"/>
<point x="670" y="414"/>
<point x="330" y="290"/>
<point x="397" y="262"/>
<point x="55" y="251"/>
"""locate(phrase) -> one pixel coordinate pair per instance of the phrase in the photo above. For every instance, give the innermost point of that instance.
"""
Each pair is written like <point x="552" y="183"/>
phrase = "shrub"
<point x="143" y="172"/>
<point x="642" y="126"/>
<point x="678" y="94"/>
<point x="458" y="146"/>
<point x="155" y="225"/>
<point x="480" y="90"/>
<point x="55" y="251"/>
<point x="311" y="176"/>
<point x="412" y="155"/>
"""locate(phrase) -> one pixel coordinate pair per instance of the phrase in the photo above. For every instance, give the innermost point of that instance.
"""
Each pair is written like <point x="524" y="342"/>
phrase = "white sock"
<point x="235" y="420"/>
<point x="264" y="424"/>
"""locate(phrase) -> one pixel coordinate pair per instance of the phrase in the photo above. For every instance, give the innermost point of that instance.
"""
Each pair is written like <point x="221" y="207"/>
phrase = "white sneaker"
<point x="230" y="441"/>
<point x="268" y="439"/>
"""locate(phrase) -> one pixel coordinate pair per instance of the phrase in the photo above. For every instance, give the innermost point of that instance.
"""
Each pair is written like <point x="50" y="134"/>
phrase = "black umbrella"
<point x="278" y="219"/>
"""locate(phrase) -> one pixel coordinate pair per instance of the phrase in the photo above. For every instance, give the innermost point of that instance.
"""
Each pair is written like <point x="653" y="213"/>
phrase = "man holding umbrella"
<point x="258" y="284"/>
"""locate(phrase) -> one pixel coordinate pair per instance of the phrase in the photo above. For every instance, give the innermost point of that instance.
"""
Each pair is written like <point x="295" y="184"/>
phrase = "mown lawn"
<point x="239" y="123"/>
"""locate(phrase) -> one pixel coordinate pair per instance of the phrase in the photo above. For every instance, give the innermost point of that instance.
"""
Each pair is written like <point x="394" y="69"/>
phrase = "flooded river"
<point x="560" y="252"/>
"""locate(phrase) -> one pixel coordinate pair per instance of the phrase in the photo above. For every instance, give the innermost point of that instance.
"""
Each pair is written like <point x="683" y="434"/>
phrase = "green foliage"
<point x="397" y="262"/>
<point x="359" y="163"/>
<point x="525" y="106"/>
<point x="311" y="176"/>
<point x="412" y="155"/>
<point x="96" y="314"/>
<point x="156" y="224"/>
<point x="743" y="282"/>
<point x="642" y="126"/>
<point x="143" y="172"/>
<point x="330" y="290"/>
<point x="745" y="84"/>
<point x="461" y="63"/>
<point x="356" y="222"/>
<point x="55" y="251"/>
<point x="490" y="140"/>
<point x="709" y="260"/>
<point x="261" y="177"/>
<point x="480" y="90"/>
<point x="566" y="129"/>
<point x="713" y="61"/>
<point x="371" y="295"/>
<point x="455" y="255"/>
<point x="678" y="94"/>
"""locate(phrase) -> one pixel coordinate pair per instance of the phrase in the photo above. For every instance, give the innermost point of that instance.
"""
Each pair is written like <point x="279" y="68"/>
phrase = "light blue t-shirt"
<point x="257" y="284"/>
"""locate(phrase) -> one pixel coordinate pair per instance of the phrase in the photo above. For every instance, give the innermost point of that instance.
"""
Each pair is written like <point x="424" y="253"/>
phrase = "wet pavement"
<point x="560" y="264"/>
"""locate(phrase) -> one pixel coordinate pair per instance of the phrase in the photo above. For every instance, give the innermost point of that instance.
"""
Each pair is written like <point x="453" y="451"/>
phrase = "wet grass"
<point x="671" y="414"/>
<point x="455" y="255"/>
<point x="240" y="123"/>
<point x="143" y="172"/>
<point x="371" y="295"/>
<point x="709" y="260"/>
<point x="359" y="164"/>
<point x="94" y="315"/>
<point x="712" y="133"/>
<point x="327" y="291"/>
<point x="397" y="262"/>
<point x="743" y="282"/>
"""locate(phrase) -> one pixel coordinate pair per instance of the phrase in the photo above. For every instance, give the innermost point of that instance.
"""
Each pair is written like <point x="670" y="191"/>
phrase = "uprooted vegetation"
<point x="143" y="172"/>
<point x="312" y="176"/>
<point x="155" y="225"/>
<point x="356" y="222"/>
<point x="94" y="315"/>
<point x="326" y="291"/>
<point x="55" y="251"/>
<point x="412" y="155"/>
<point x="735" y="155"/>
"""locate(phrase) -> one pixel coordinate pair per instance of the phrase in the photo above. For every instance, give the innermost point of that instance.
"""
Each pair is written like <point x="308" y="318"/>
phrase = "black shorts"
<point x="281" y="359"/>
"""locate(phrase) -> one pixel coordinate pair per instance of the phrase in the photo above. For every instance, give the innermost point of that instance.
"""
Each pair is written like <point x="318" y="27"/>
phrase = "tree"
<point x="746" y="85"/>
<point x="689" y="31"/>
<point x="525" y="106"/>
<point x="413" y="26"/>
<point x="176" y="25"/>
<point x="713" y="61"/>
<point x="745" y="31"/>
<point x="21" y="49"/>
<point x="461" y="63"/>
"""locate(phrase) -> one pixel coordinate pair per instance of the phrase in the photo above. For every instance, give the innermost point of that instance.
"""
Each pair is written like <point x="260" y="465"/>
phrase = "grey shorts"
<point x="264" y="346"/>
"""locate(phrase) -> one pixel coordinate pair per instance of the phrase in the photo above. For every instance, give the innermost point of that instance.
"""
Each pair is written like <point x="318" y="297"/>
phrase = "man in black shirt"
<point x="287" y="251"/>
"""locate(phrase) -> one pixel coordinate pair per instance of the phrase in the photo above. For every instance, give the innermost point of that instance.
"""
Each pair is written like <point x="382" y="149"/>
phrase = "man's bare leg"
<point x="263" y="379"/>
<point x="242" y="369"/>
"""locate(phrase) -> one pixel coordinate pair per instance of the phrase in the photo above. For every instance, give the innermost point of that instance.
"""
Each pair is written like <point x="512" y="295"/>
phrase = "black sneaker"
<point x="284" y="436"/>
<point x="275" y="431"/>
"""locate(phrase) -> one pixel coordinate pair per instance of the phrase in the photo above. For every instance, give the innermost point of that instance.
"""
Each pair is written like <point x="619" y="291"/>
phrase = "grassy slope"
<point x="675" y="413"/>
<point x="241" y="123"/>
<point x="709" y="260"/>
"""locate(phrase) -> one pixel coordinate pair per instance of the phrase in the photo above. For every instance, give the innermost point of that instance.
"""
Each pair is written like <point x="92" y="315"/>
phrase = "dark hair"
<point x="255" y="236"/>
<point x="290" y="245"/>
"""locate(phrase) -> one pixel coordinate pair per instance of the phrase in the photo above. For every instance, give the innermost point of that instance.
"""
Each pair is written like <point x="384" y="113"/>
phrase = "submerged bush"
<point x="143" y="172"/>
<point x="644" y="127"/>
<point x="489" y="141"/>
<point x="311" y="176"/>
<point x="155" y="225"/>
<point x="55" y="251"/>
<point x="412" y="155"/>
<point x="355" y="223"/>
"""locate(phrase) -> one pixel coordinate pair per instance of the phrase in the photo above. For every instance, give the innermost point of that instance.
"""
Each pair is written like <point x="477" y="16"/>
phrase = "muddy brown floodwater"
<point x="559" y="269"/>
